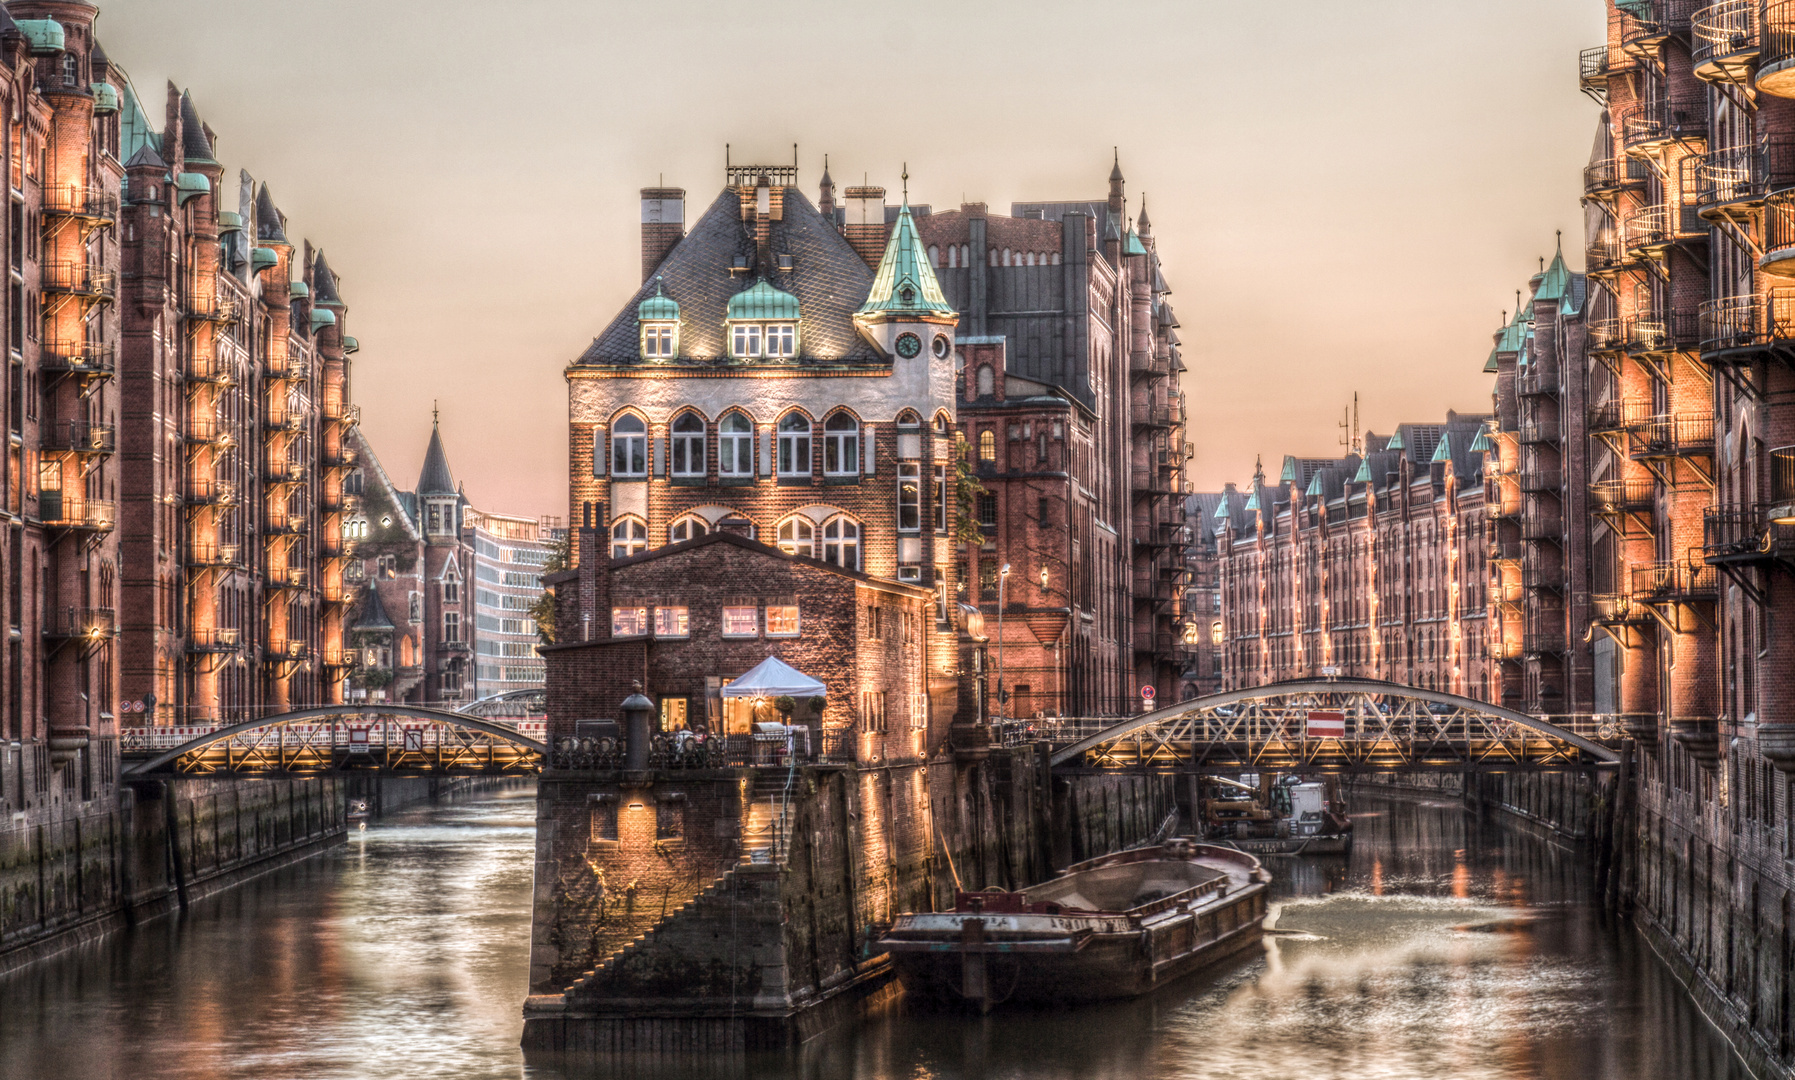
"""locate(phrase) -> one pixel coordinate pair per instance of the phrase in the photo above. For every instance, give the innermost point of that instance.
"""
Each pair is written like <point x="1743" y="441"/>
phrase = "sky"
<point x="1346" y="195"/>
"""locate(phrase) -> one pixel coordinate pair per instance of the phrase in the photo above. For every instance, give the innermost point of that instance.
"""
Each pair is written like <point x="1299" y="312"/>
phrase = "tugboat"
<point x="1114" y="927"/>
<point x="1287" y="818"/>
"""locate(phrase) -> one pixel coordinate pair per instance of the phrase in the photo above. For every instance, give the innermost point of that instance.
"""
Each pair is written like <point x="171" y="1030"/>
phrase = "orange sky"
<point x="1346" y="194"/>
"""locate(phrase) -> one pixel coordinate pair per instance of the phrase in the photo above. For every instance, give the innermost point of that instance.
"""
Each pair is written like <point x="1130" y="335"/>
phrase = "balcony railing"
<point x="1611" y="175"/>
<point x="1651" y="124"/>
<point x="1617" y="415"/>
<point x="285" y="421"/>
<point x="1649" y="230"/>
<point x="1606" y="335"/>
<point x="1734" y="328"/>
<point x="1687" y="435"/>
<point x="1724" y="38"/>
<point x="1536" y="381"/>
<point x="80" y="279"/>
<point x="212" y="371"/>
<point x="92" y="204"/>
<point x="1505" y="550"/>
<point x="1746" y="535"/>
<point x="220" y="307"/>
<point x="1547" y="643"/>
<point x="209" y="492"/>
<point x="216" y="640"/>
<point x="80" y="437"/>
<point x="1534" y="432"/>
<point x="1506" y="590"/>
<point x="92" y="624"/>
<point x="1779" y="234"/>
<point x="1503" y="649"/>
<point x="340" y="457"/>
<point x="1604" y="251"/>
<point x="289" y="368"/>
<point x="1541" y="522"/>
<point x="215" y="556"/>
<point x="1543" y="575"/>
<point x="287" y="577"/>
<point x="79" y="358"/>
<point x="1782" y="476"/>
<point x="290" y="525"/>
<point x="1675" y="581"/>
<point x="1616" y="609"/>
<point x="1621" y="496"/>
<point x="209" y="433"/>
<point x="287" y="472"/>
<point x="1777" y="38"/>
<point x="89" y="515"/>
<point x="1534" y="481"/>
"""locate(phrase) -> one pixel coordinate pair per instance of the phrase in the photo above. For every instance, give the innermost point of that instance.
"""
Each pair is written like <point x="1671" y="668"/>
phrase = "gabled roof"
<point x="905" y="283"/>
<point x="828" y="278"/>
<point x="660" y="306"/>
<point x="435" y="479"/>
<point x="134" y="131"/>
<point x="1557" y="279"/>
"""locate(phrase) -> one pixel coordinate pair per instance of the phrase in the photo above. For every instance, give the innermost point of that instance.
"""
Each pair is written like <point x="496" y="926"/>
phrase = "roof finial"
<point x="435" y="413"/>
<point x="906" y="179"/>
<point x="1561" y="241"/>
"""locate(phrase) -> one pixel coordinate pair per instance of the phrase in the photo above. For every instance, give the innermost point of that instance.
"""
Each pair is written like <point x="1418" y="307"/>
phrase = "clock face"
<point x="908" y="346"/>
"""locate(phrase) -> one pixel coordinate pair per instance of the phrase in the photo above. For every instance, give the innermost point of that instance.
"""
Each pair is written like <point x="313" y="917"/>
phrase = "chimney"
<point x="865" y="227"/>
<point x="591" y="617"/>
<point x="663" y="225"/>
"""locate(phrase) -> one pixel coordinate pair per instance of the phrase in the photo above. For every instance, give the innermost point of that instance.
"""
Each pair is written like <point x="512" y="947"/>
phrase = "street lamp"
<point x="1003" y="578"/>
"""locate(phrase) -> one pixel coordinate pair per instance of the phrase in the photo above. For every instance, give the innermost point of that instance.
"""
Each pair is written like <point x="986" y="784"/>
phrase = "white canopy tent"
<point x="772" y="678"/>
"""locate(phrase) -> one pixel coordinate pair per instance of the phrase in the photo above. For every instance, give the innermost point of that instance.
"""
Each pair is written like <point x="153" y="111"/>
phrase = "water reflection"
<point x="1441" y="950"/>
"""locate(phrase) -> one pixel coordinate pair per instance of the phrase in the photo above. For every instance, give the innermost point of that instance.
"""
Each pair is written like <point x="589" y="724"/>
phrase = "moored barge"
<point x="1114" y="927"/>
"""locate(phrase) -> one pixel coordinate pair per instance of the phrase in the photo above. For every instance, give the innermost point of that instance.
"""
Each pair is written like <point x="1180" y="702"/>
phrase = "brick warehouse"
<point x="833" y="421"/>
<point x="1372" y="564"/>
<point x="178" y="401"/>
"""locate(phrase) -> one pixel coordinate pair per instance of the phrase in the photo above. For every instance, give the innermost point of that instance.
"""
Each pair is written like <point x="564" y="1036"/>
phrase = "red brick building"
<point x="1372" y="565"/>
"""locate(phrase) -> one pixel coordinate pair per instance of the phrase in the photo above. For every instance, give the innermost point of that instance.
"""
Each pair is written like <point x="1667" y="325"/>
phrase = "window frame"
<point x="796" y="623"/>
<point x="789" y="441"/>
<point x="688" y="522"/>
<point x="842" y="543"/>
<point x="909" y="498"/>
<point x="737" y="609"/>
<point x="635" y="539"/>
<point x="672" y="621"/>
<point x="733" y="446"/>
<point x="664" y="337"/>
<point x="794" y="524"/>
<point x="745" y="340"/>
<point x="685" y="447"/>
<point x="625" y="617"/>
<point x="841" y="446"/>
<point x="630" y="447"/>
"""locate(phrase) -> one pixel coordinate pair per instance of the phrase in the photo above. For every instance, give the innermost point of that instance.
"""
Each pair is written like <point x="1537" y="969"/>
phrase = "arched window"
<point x="797" y="536"/>
<point x="629" y="447"/>
<point x="1006" y="257"/>
<point x="794" y="445"/>
<point x="690" y="527"/>
<point x="688" y="445"/>
<point x="841" y="445"/>
<point x="953" y="256"/>
<point x="735" y="446"/>
<point x="992" y="253"/>
<point x="841" y="542"/>
<point x="71" y="70"/>
<point x="987" y="381"/>
<point x="965" y="254"/>
<point x="934" y="256"/>
<point x="629" y="536"/>
<point x="987" y="445"/>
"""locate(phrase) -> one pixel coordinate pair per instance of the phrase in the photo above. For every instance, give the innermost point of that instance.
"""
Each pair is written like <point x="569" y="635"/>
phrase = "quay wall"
<point x="642" y="945"/>
<point x="74" y="872"/>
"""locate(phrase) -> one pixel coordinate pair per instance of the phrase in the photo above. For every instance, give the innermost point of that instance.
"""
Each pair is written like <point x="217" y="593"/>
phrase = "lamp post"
<point x="1003" y="579"/>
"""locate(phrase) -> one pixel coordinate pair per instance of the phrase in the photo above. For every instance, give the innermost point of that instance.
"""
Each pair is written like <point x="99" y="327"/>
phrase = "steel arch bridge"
<point x="335" y="738"/>
<point x="1383" y="727"/>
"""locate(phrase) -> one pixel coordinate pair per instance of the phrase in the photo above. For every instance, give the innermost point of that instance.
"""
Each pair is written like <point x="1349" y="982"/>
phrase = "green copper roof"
<point x="905" y="283"/>
<point x="350" y="345"/>
<point x="1557" y="281"/>
<point x="1639" y="9"/>
<point x="1288" y="476"/>
<point x="763" y="301"/>
<point x="1253" y="500"/>
<point x="1491" y="366"/>
<point x="1221" y="509"/>
<point x="230" y="221"/>
<point x="322" y="317"/>
<point x="1363" y="476"/>
<point x="43" y="35"/>
<point x="1443" y="452"/>
<point x="660" y="306"/>
<point x="1315" y="485"/>
<point x="1395" y="442"/>
<point x="297" y="289"/>
<point x="105" y="98"/>
<point x="134" y="130"/>
<point x="264" y="258"/>
<point x="1514" y="335"/>
<point x="1131" y="245"/>
<point x="1482" y="444"/>
<point x="191" y="185"/>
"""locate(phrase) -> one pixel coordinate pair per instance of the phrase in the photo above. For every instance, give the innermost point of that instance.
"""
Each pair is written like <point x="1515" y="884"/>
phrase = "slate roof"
<point x="269" y="224"/>
<point x="373" y="613"/>
<point x="829" y="279"/>
<point x="194" y="143"/>
<point x="904" y="272"/>
<point x="435" y="478"/>
<point x="324" y="283"/>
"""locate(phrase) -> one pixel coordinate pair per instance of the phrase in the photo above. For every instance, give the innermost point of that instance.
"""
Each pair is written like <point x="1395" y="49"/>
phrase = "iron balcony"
<point x="209" y="433"/>
<point x="288" y="369"/>
<point x="286" y="577"/>
<point x="1685" y="435"/>
<point x="1675" y="582"/>
<point x="209" y="492"/>
<point x="286" y="472"/>
<point x="91" y="515"/>
<point x="1748" y="536"/>
<point x="215" y="556"/>
<point x="1650" y="126"/>
<point x="1534" y="432"/>
<point x="1724" y="41"/>
<point x="1611" y="176"/>
<point x="1542" y="481"/>
<point x="1616" y="609"/>
<point x="1544" y="643"/>
<point x="80" y="279"/>
<point x="93" y="205"/>
<point x="1535" y="381"/>
<point x="80" y="437"/>
<point x="91" y="624"/>
<point x="220" y="307"/>
<point x="1739" y="329"/>
<point x="216" y="640"/>
<point x="1606" y="335"/>
<point x="1776" y="53"/>
<point x="1621" y="496"/>
<point x="86" y="358"/>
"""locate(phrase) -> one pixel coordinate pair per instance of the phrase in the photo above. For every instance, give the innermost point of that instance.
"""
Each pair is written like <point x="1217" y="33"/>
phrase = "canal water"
<point x="1441" y="949"/>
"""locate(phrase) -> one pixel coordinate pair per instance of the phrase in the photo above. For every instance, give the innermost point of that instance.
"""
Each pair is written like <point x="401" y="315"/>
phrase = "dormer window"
<point x="659" y="319"/>
<point x="763" y="322"/>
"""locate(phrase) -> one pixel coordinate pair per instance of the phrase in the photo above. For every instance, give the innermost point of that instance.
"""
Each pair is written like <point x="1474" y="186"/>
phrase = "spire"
<point x="905" y="283"/>
<point x="1115" y="174"/>
<point x="825" y="202"/>
<point x="269" y="223"/>
<point x="435" y="478"/>
<point x="194" y="143"/>
<point x="373" y="613"/>
<point x="324" y="283"/>
<point x="1141" y="223"/>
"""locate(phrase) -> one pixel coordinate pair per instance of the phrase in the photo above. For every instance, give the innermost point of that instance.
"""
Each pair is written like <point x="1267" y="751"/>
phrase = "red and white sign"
<point x="1147" y="693"/>
<point x="358" y="740"/>
<point x="1327" y="725"/>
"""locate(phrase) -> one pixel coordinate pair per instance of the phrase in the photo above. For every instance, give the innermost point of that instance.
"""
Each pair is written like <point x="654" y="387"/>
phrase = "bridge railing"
<point x="1250" y="725"/>
<point x="144" y="740"/>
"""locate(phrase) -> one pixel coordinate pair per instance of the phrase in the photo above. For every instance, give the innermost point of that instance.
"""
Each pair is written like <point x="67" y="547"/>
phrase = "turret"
<point x="906" y="315"/>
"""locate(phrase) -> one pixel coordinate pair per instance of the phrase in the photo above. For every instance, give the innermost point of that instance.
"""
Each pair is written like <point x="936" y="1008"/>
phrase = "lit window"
<point x="628" y="537"/>
<point x="671" y="622"/>
<point x="841" y="542"/>
<point x="745" y="342"/>
<point x="841" y="446"/>
<point x="735" y="446"/>
<point x="687" y="528"/>
<point x="782" y="622"/>
<point x="909" y="506"/>
<point x="794" y="445"/>
<point x="741" y="621"/>
<point x="629" y="621"/>
<point x="629" y="447"/>
<point x="781" y="339"/>
<point x="659" y="340"/>
<point x="798" y="537"/>
<point x="688" y="445"/>
<point x="987" y="445"/>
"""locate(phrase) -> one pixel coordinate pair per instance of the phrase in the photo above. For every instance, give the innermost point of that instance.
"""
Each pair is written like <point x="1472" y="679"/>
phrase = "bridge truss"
<point x="387" y="738"/>
<point x="1383" y="727"/>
